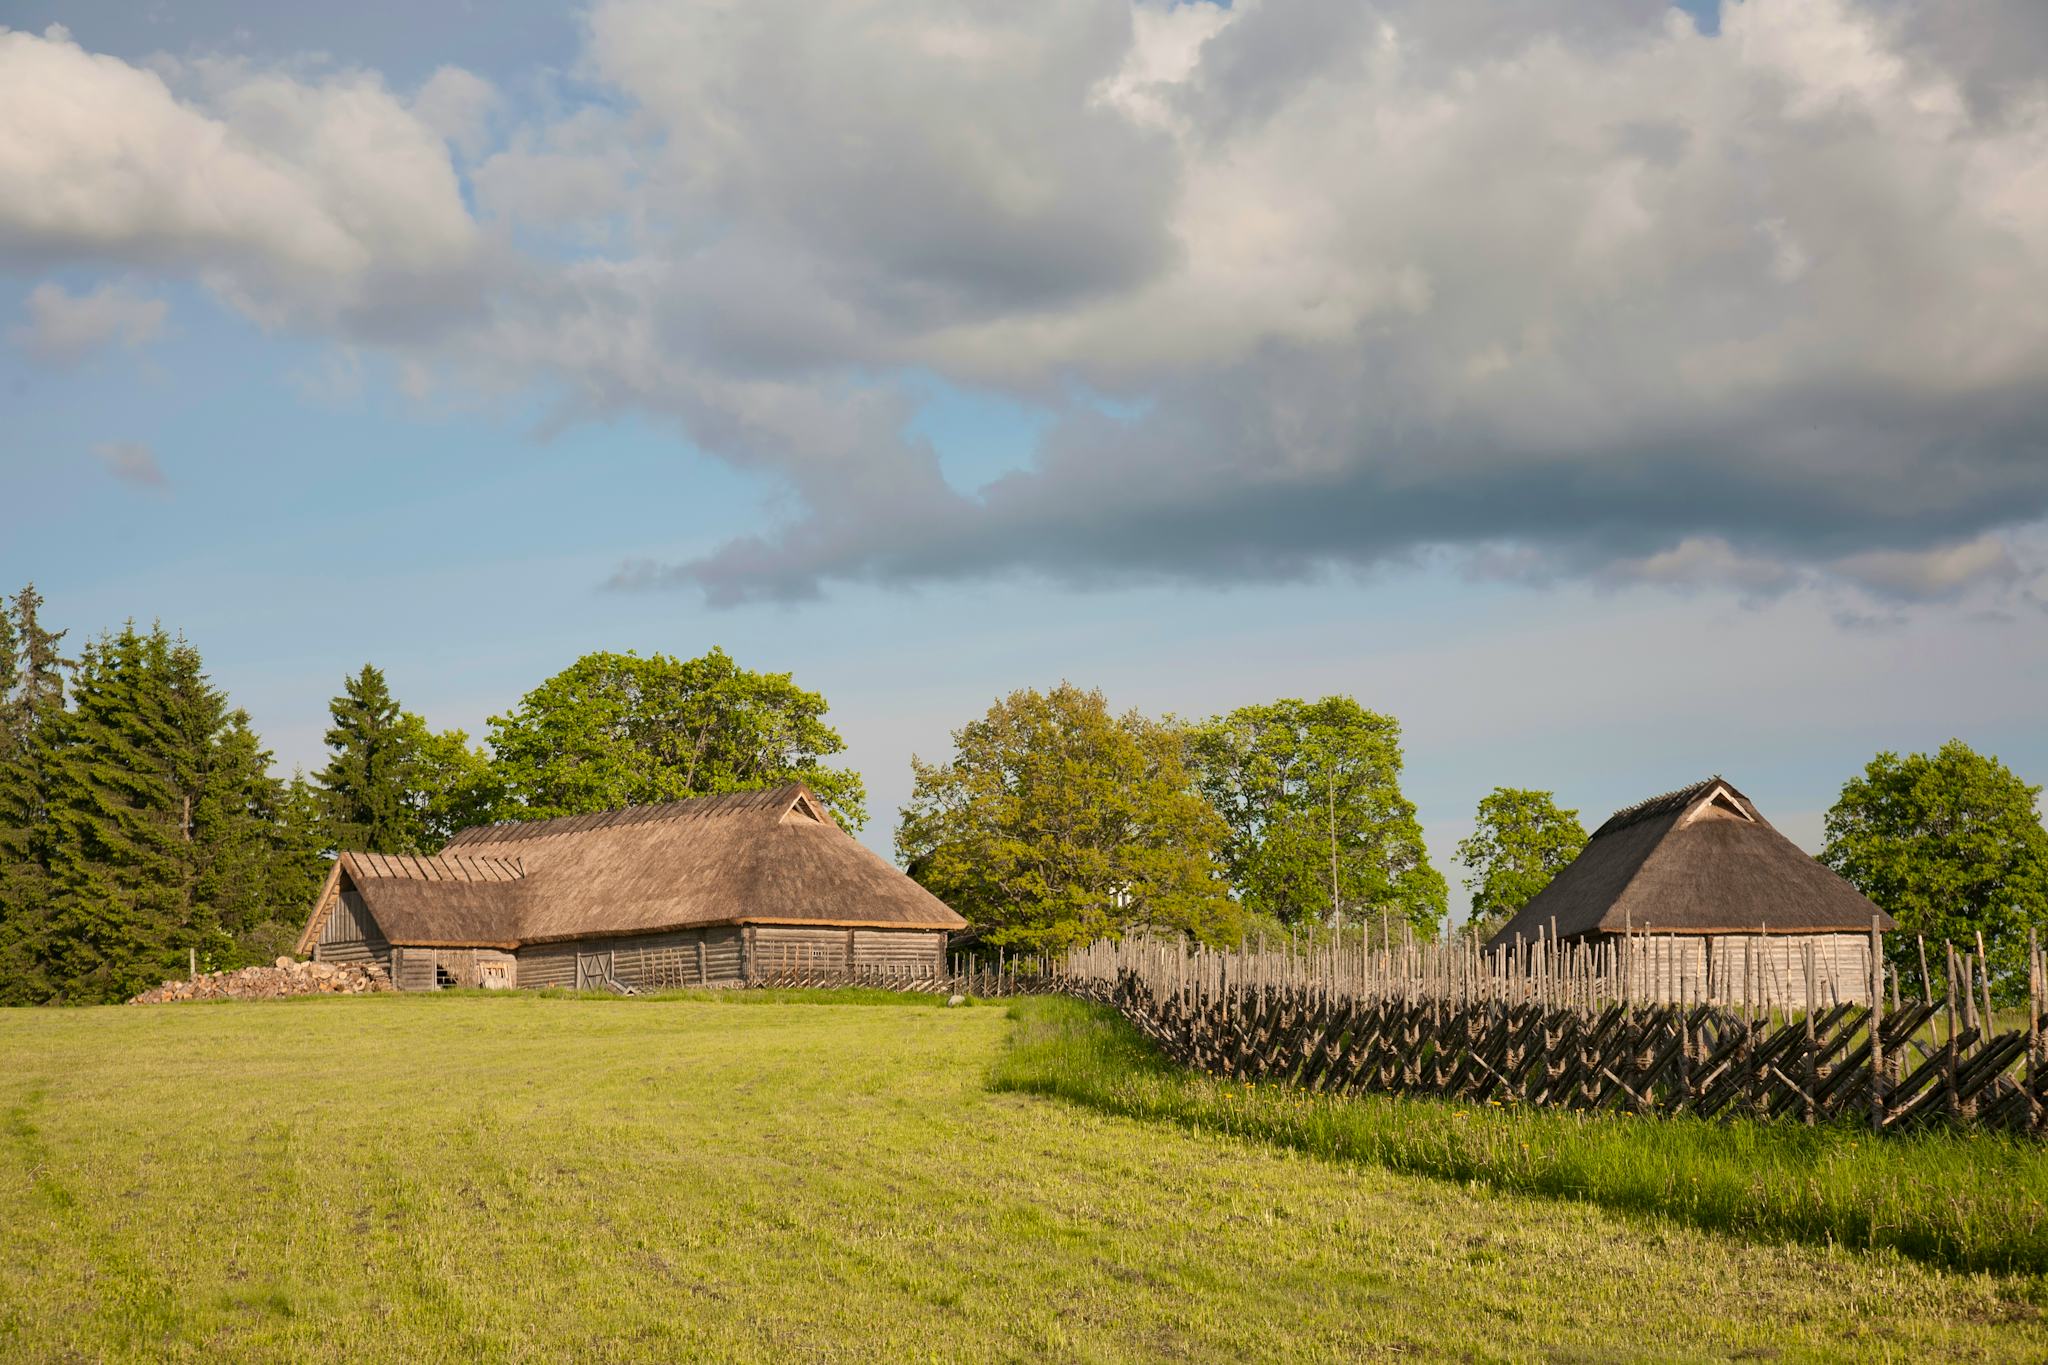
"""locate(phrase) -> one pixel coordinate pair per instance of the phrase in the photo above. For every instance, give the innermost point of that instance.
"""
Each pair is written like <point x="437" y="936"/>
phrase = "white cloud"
<point x="325" y="201"/>
<point x="64" y="328"/>
<point x="458" y="105"/>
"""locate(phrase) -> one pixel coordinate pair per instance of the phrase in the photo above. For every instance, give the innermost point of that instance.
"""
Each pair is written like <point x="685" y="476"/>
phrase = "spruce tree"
<point x="31" y="702"/>
<point x="298" y="862"/>
<point x="369" y="780"/>
<point x="118" y="820"/>
<point x="165" y="826"/>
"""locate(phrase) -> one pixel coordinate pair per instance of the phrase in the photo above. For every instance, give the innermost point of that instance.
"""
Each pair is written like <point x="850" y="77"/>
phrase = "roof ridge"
<point x="424" y="867"/>
<point x="711" y="803"/>
<point x="1657" y="805"/>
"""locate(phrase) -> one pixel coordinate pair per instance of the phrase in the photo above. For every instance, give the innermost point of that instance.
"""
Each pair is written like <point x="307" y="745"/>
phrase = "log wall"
<point x="682" y="958"/>
<point x="351" y="934"/>
<point x="824" y="949"/>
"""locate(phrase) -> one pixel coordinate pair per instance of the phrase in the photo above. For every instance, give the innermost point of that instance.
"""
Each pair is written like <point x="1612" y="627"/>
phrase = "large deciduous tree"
<point x="1057" y="823"/>
<point x="1951" y="845"/>
<point x="1520" y="840"/>
<point x="617" y="730"/>
<point x="1318" y="827"/>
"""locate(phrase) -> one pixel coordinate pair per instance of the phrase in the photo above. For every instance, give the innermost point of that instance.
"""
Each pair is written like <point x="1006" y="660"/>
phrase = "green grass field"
<point x="524" y="1178"/>
<point x="1961" y="1200"/>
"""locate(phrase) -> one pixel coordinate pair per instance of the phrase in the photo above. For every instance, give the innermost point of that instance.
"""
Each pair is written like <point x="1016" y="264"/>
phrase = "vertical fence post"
<point x="1877" y="1076"/>
<point x="2033" y="1031"/>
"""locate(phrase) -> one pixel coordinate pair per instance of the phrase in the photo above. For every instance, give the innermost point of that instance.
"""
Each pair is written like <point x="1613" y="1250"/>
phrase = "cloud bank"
<point x="1304" y="284"/>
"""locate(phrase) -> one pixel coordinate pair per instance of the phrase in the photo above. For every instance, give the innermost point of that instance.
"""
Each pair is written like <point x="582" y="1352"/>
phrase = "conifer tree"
<point x="116" y="821"/>
<point x="298" y="865"/>
<point x="368" y="781"/>
<point x="164" y="825"/>
<point x="31" y="699"/>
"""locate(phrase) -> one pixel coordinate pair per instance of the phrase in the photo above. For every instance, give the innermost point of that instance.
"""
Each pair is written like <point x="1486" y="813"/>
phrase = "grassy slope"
<point x="1972" y="1201"/>
<point x="410" y="1178"/>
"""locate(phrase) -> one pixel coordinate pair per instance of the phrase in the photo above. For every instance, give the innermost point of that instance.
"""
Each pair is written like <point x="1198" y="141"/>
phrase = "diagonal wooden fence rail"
<point x="1587" y="1027"/>
<point x="1558" y="1026"/>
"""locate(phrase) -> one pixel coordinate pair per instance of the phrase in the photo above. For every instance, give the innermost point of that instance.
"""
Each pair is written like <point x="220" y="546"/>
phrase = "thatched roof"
<point x="761" y="857"/>
<point x="1700" y="860"/>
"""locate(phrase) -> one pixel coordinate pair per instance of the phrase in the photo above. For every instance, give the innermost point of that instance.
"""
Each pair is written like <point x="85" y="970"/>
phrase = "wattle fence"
<point x="1567" y="1025"/>
<point x="1574" y="1026"/>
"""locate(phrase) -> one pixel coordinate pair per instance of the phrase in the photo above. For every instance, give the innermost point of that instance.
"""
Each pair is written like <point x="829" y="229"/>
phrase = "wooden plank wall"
<point x="904" y="950"/>
<point x="413" y="969"/>
<point x="351" y="934"/>
<point x="789" y="947"/>
<point x="686" y="957"/>
<point x="1765" y="970"/>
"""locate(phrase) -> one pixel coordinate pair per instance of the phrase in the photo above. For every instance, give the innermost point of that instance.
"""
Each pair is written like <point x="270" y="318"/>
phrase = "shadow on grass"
<point x="1963" y="1201"/>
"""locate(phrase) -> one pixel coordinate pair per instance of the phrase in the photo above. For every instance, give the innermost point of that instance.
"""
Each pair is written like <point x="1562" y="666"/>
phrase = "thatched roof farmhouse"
<point x="1720" y="901"/>
<point x="715" y="890"/>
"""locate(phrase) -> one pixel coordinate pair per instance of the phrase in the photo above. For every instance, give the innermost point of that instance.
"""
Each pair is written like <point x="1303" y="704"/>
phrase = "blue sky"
<point x="973" y="350"/>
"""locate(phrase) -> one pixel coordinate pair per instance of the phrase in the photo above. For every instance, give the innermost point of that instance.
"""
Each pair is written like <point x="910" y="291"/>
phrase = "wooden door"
<point x="593" y="971"/>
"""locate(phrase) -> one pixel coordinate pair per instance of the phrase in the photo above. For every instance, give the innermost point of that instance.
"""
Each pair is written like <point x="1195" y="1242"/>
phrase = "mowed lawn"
<point x="528" y="1178"/>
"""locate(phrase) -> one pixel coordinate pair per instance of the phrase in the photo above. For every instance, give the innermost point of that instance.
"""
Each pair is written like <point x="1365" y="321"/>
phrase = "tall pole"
<point x="1877" y="1077"/>
<point x="1330" y="791"/>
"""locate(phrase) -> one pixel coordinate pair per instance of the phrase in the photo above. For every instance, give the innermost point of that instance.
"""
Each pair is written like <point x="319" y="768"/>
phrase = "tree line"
<point x="141" y="824"/>
<point x="1058" y="822"/>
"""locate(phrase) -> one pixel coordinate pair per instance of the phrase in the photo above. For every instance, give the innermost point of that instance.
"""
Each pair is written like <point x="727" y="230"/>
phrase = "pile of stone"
<point x="288" y="977"/>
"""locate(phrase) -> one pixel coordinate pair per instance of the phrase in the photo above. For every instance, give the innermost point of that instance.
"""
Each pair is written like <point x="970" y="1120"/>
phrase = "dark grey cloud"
<point x="1231" y="479"/>
<point x="1995" y="49"/>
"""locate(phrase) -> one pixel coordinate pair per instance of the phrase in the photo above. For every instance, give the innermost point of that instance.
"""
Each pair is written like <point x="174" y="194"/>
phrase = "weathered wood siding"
<point x="412" y="969"/>
<point x="913" y="952"/>
<point x="1769" y="970"/>
<point x="686" y="957"/>
<point x="802" y="947"/>
<point x="351" y="934"/>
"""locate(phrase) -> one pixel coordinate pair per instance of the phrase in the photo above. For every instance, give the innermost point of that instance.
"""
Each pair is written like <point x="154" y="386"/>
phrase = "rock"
<point x="955" y="1001"/>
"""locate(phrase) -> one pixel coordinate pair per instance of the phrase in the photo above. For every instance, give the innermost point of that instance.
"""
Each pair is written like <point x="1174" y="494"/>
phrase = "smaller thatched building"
<point x="712" y="891"/>
<point x="1714" y="902"/>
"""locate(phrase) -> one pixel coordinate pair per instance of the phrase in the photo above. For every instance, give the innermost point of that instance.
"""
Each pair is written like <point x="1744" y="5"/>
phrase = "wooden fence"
<point x="964" y="977"/>
<point x="1575" y="1026"/>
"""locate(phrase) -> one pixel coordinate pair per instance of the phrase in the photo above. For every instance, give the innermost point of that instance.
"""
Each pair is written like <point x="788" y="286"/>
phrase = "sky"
<point x="1614" y="393"/>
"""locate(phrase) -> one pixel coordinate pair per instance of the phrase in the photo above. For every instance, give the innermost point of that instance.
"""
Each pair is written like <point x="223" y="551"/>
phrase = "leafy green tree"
<point x="1318" y="827"/>
<point x="616" y="730"/>
<point x="1057" y="823"/>
<point x="1521" y="840"/>
<point x="1950" y="844"/>
<point x="453" y="784"/>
